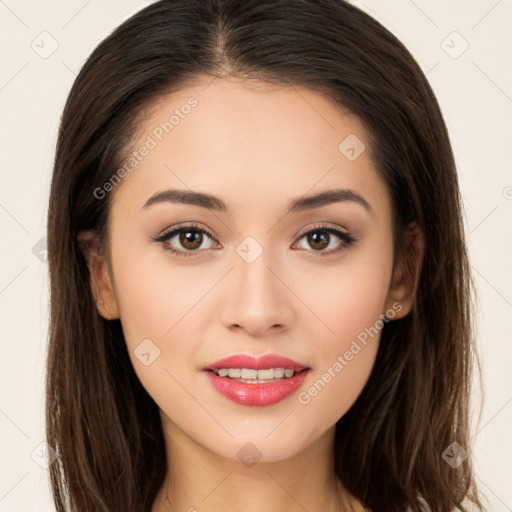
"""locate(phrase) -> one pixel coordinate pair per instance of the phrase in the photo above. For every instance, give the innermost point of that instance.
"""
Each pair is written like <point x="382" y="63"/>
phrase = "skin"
<point x="256" y="147"/>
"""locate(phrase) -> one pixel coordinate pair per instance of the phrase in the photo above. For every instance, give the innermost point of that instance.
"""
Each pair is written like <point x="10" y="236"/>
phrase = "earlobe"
<point x="406" y="275"/>
<point x="101" y="284"/>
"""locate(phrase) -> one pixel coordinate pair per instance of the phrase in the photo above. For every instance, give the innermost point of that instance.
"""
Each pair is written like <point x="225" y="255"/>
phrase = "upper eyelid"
<point x="323" y="225"/>
<point x="179" y="227"/>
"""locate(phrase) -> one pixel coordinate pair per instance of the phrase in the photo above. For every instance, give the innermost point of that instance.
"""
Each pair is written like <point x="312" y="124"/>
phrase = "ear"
<point x="406" y="274"/>
<point x="100" y="280"/>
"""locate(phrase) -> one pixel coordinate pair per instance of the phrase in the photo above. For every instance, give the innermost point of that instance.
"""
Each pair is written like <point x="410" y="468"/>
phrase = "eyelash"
<point x="347" y="238"/>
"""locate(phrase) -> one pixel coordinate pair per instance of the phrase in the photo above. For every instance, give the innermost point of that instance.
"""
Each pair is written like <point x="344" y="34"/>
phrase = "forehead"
<point x="243" y="138"/>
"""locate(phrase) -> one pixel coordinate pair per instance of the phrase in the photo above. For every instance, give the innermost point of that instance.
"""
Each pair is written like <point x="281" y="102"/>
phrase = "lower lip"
<point x="256" y="394"/>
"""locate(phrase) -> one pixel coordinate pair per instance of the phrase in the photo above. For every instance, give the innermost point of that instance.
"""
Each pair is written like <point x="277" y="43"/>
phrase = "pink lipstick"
<point x="256" y="381"/>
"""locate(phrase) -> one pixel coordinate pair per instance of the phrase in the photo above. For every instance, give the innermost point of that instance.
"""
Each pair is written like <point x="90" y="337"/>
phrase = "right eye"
<point x="190" y="237"/>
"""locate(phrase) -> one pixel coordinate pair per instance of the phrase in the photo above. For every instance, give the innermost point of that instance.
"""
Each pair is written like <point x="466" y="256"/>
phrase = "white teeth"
<point x="250" y="374"/>
<point x="265" y="374"/>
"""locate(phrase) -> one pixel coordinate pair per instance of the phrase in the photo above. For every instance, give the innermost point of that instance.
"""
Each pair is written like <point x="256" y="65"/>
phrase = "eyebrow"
<point x="296" y="205"/>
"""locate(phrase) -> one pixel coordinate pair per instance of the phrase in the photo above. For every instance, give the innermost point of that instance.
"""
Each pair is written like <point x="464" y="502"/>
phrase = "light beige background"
<point x="474" y="88"/>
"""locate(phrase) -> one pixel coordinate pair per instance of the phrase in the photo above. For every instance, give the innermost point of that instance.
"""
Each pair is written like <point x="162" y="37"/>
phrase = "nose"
<point x="257" y="299"/>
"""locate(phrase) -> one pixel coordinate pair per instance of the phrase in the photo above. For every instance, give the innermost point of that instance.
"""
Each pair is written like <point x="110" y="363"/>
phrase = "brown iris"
<point x="191" y="239"/>
<point x="318" y="239"/>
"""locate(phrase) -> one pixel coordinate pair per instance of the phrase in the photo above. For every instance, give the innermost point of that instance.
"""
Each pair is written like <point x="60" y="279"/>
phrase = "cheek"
<point x="156" y="304"/>
<point x="151" y="294"/>
<point x="350" y="303"/>
<point x="157" y="315"/>
<point x="347" y="298"/>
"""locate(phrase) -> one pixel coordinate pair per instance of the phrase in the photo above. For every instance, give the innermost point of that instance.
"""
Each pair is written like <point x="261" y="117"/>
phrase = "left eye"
<point x="192" y="237"/>
<point x="320" y="238"/>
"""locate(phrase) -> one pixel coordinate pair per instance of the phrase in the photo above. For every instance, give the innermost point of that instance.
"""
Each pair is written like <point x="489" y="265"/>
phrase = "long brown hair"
<point x="388" y="448"/>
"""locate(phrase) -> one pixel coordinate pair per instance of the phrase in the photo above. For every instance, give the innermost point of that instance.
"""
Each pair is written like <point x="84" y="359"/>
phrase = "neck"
<point x="199" y="479"/>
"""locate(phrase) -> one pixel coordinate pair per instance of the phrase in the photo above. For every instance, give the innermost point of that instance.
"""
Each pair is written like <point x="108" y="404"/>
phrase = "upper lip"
<point x="256" y="363"/>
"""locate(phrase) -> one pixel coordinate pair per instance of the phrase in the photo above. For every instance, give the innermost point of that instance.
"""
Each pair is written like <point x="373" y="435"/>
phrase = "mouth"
<point x="262" y="381"/>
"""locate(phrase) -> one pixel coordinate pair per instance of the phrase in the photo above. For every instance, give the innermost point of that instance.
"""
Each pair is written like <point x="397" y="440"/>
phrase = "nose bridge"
<point x="258" y="299"/>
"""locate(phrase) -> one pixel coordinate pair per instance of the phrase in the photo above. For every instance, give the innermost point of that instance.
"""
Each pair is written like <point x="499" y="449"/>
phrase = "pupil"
<point x="319" y="240"/>
<point x="191" y="239"/>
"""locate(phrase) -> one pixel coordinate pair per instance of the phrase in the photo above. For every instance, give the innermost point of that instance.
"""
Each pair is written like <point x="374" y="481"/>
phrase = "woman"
<point x="260" y="293"/>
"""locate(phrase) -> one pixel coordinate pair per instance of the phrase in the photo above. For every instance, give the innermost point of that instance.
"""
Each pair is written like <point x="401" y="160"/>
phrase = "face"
<point x="247" y="274"/>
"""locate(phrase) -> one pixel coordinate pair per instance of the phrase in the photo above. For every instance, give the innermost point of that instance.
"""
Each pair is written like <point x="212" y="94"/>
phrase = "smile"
<point x="263" y="381"/>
